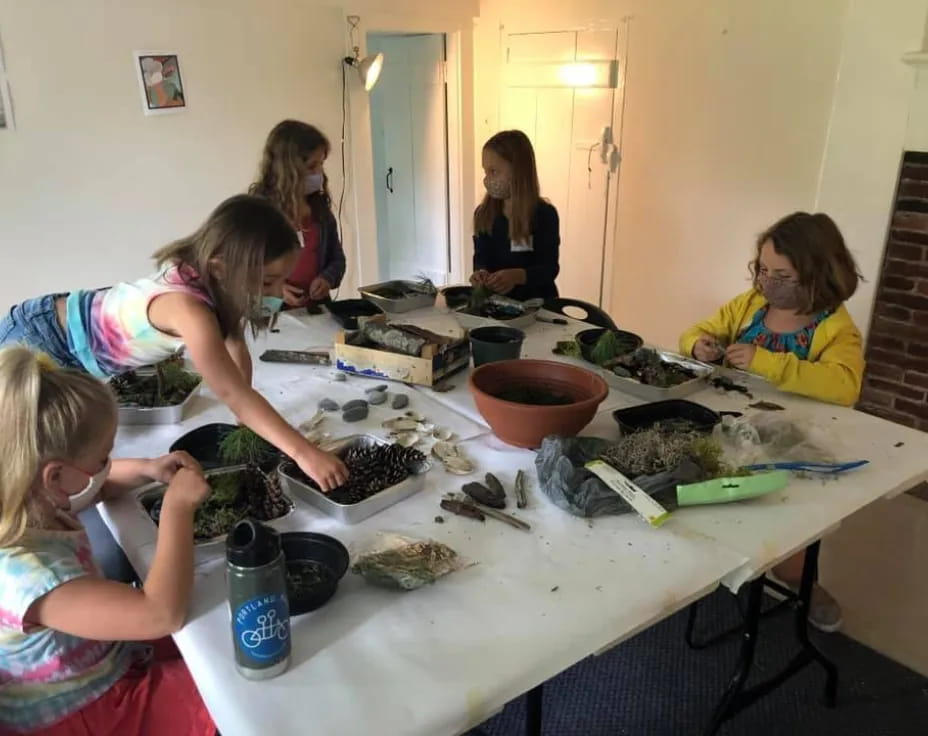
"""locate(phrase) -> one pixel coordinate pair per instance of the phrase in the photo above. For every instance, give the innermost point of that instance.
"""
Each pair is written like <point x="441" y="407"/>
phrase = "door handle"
<point x="390" y="180"/>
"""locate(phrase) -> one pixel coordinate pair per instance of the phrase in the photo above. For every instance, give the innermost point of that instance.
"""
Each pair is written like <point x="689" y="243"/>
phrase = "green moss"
<point x="242" y="446"/>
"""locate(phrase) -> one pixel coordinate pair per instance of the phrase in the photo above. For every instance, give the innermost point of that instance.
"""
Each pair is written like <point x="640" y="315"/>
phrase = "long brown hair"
<point x="828" y="274"/>
<point x="514" y="147"/>
<point x="226" y="256"/>
<point x="48" y="414"/>
<point x="280" y="174"/>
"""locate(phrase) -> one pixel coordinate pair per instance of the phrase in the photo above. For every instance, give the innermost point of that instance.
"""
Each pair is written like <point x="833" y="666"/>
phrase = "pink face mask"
<point x="780" y="293"/>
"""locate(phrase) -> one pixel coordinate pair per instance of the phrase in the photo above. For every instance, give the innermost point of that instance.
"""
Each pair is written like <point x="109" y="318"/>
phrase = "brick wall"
<point x="896" y="379"/>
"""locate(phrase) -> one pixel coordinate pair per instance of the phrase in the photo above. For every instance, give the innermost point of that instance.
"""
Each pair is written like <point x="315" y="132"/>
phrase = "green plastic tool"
<point x="726" y="490"/>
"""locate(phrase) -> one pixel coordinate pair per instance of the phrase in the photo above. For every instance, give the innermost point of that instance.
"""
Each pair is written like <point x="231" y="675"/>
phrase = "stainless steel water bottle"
<point x="258" y="600"/>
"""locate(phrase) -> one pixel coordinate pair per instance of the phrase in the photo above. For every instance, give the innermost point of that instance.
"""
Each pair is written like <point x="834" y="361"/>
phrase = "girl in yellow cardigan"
<point x="792" y="327"/>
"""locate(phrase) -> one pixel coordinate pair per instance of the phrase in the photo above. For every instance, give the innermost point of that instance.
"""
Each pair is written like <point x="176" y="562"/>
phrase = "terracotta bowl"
<point x="526" y="425"/>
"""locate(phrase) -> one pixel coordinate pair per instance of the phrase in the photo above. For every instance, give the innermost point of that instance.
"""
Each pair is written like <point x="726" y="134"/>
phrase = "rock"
<point x="377" y="397"/>
<point x="339" y="377"/>
<point x="328" y="405"/>
<point x="439" y="519"/>
<point x="356" y="413"/>
<point x="381" y="387"/>
<point x="400" y="401"/>
<point x="355" y="404"/>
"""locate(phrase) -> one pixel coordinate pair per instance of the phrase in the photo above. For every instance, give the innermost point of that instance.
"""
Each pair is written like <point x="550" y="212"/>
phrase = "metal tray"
<point x="153" y="491"/>
<point x="157" y="414"/>
<point x="471" y="321"/>
<point x="353" y="513"/>
<point x="654" y="393"/>
<point x="406" y="304"/>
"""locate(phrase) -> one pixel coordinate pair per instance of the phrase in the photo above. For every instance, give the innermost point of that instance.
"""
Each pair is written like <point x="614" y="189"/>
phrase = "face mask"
<point x="313" y="183"/>
<point x="780" y="293"/>
<point x="271" y="305"/>
<point x="497" y="188"/>
<point x="88" y="496"/>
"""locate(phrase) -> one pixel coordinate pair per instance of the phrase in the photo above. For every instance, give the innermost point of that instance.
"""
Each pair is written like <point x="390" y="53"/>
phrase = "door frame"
<point x="360" y="148"/>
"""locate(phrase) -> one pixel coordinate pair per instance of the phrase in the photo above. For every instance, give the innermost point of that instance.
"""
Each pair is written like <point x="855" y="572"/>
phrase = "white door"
<point x="560" y="88"/>
<point x="409" y="134"/>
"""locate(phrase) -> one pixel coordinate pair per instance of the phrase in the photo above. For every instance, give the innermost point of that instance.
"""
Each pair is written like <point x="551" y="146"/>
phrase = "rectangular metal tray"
<point x="406" y="304"/>
<point x="154" y="491"/>
<point x="353" y="513"/>
<point x="472" y="321"/>
<point x="157" y="414"/>
<point x="654" y="393"/>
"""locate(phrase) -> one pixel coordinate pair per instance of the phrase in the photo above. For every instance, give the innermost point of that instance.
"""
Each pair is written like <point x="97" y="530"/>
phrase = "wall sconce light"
<point x="369" y="67"/>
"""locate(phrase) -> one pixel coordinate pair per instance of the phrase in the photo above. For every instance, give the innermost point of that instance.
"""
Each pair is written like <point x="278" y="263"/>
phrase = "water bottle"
<point x="258" y="600"/>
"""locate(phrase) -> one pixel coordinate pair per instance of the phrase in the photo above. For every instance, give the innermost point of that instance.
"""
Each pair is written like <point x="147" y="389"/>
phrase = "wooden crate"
<point x="436" y="363"/>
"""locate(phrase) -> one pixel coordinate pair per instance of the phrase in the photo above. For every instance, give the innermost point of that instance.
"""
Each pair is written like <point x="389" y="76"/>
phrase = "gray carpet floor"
<point x="654" y="685"/>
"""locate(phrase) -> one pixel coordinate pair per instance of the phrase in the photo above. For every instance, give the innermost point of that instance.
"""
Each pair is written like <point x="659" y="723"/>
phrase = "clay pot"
<point x="492" y="344"/>
<point x="526" y="425"/>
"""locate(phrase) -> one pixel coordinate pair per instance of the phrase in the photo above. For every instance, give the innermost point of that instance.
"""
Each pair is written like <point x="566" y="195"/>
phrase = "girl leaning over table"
<point x="80" y="654"/>
<point x="292" y="176"/>
<point x="793" y="329"/>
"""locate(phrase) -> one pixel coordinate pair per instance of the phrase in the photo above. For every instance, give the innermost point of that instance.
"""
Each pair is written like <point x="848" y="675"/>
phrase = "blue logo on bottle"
<point x="262" y="627"/>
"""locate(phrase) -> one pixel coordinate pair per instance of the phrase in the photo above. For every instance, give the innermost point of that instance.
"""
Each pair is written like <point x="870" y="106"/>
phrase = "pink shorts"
<point x="152" y="700"/>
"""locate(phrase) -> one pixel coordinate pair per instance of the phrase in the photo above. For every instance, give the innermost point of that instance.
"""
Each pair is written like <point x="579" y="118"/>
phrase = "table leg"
<point x="533" y="711"/>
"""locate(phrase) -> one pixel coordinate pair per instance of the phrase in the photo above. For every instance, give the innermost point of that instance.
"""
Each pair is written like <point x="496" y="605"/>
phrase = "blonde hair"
<point x="280" y="175"/>
<point x="514" y="147"/>
<point x="242" y="234"/>
<point x="48" y="414"/>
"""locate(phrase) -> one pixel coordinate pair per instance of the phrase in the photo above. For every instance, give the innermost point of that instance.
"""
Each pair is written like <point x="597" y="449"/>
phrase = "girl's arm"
<point x="196" y="324"/>
<point x="721" y="326"/>
<point x="835" y="377"/>
<point x="94" y="608"/>
<point x="238" y="351"/>
<point x="333" y="271"/>
<point x="546" y="241"/>
<point x="127" y="474"/>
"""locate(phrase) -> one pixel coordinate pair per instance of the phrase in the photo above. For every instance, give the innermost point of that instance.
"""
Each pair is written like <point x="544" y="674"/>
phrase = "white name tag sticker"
<point x="524" y="246"/>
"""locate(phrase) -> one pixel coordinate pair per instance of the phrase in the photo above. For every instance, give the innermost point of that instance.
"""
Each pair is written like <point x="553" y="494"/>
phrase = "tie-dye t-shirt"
<point x="46" y="675"/>
<point x="109" y="331"/>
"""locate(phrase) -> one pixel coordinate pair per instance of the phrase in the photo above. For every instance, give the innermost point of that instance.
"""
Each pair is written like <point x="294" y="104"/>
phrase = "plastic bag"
<point x="564" y="479"/>
<point x="403" y="563"/>
<point x="772" y="437"/>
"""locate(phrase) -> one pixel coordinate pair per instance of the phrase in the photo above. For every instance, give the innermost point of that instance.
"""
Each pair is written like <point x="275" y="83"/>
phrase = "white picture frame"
<point x="161" y="83"/>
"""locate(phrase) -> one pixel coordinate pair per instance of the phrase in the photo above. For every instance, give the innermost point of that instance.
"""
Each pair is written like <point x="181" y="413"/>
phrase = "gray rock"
<point x="381" y="387"/>
<point x="339" y="377"/>
<point x="377" y="397"/>
<point x="400" y="401"/>
<point x="355" y="404"/>
<point x="355" y="414"/>
<point x="328" y="405"/>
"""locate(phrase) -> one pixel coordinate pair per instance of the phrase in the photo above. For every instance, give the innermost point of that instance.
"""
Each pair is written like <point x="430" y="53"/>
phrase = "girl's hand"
<point x="707" y="349"/>
<point x="319" y="289"/>
<point x="323" y="467"/>
<point x="187" y="490"/>
<point x="502" y="282"/>
<point x="164" y="468"/>
<point x="740" y="355"/>
<point x="294" y="296"/>
<point x="479" y="277"/>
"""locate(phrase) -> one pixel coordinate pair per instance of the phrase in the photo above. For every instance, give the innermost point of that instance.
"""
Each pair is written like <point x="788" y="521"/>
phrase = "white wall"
<point x="727" y="107"/>
<point x="89" y="187"/>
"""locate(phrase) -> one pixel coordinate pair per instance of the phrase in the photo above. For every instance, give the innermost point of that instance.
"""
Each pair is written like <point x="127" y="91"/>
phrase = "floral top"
<point x="798" y="342"/>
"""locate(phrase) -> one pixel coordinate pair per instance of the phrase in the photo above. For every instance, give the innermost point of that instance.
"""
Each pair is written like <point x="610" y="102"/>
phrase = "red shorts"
<point x="153" y="700"/>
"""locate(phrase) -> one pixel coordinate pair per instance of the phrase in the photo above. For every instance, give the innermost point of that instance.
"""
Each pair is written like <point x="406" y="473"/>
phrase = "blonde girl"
<point x="72" y="659"/>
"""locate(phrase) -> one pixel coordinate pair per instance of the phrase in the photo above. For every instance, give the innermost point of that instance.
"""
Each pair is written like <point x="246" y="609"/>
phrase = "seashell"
<point x="407" y="439"/>
<point x="443" y="450"/>
<point x="415" y="416"/>
<point x="458" y="465"/>
<point x="442" y="433"/>
<point x="426" y="427"/>
<point x="314" y="422"/>
<point x="401" y="424"/>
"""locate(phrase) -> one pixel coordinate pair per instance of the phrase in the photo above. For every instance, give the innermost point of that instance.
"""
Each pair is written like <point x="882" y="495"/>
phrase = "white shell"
<point x="443" y="450"/>
<point x="314" y="422"/>
<point x="317" y="436"/>
<point x="442" y="433"/>
<point x="425" y="427"/>
<point x="458" y="465"/>
<point x="401" y="424"/>
<point x="407" y="439"/>
<point x="415" y="416"/>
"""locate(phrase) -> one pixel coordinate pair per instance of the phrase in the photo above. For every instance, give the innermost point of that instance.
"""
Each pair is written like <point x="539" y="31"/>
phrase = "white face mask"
<point x="88" y="495"/>
<point x="313" y="183"/>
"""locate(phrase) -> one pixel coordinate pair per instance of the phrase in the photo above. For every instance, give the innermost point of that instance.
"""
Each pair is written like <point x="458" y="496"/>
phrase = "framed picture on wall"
<point x="160" y="82"/>
<point x="6" y="104"/>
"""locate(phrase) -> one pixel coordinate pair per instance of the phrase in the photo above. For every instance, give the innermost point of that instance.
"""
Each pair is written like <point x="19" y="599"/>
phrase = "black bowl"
<point x="203" y="443"/>
<point x="347" y="311"/>
<point x="318" y="557"/>
<point x="588" y="338"/>
<point x="457" y="296"/>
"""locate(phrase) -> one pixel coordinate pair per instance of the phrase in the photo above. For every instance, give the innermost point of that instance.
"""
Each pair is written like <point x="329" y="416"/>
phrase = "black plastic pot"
<point x="588" y="339"/>
<point x="457" y="296"/>
<point x="645" y="416"/>
<point x="347" y="311"/>
<point x="203" y="443"/>
<point x="591" y="313"/>
<point x="329" y="560"/>
<point x="495" y="343"/>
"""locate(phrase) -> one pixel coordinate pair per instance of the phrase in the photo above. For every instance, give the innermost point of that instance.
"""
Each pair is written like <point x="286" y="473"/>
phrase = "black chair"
<point x="594" y="315"/>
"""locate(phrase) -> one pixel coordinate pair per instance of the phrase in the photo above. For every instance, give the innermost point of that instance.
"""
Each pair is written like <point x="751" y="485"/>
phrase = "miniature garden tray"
<point x="352" y="513"/>
<point x="472" y="321"/>
<point x="148" y="494"/>
<point x="397" y="305"/>
<point x="645" y="391"/>
<point x="173" y="414"/>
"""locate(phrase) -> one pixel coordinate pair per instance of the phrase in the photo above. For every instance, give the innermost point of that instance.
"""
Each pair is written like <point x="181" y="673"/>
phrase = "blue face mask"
<point x="271" y="305"/>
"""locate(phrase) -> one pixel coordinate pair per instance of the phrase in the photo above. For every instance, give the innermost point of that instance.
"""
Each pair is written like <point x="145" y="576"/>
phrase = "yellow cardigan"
<point x="833" y="371"/>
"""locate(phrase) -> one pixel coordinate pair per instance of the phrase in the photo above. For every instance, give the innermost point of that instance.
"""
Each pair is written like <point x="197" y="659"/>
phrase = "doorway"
<point x="409" y="140"/>
<point x="562" y="89"/>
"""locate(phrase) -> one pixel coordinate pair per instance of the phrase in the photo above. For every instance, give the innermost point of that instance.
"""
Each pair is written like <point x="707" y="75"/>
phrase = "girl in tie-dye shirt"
<point x="72" y="653"/>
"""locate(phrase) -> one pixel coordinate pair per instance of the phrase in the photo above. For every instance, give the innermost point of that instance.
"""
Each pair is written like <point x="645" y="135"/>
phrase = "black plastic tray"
<point x="203" y="443"/>
<point x="645" y="416"/>
<point x="347" y="311"/>
<point x="587" y="340"/>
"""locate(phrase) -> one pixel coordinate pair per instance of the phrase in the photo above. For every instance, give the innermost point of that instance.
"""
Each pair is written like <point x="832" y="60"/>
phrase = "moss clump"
<point x="652" y="451"/>
<point x="169" y="385"/>
<point x="242" y="447"/>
